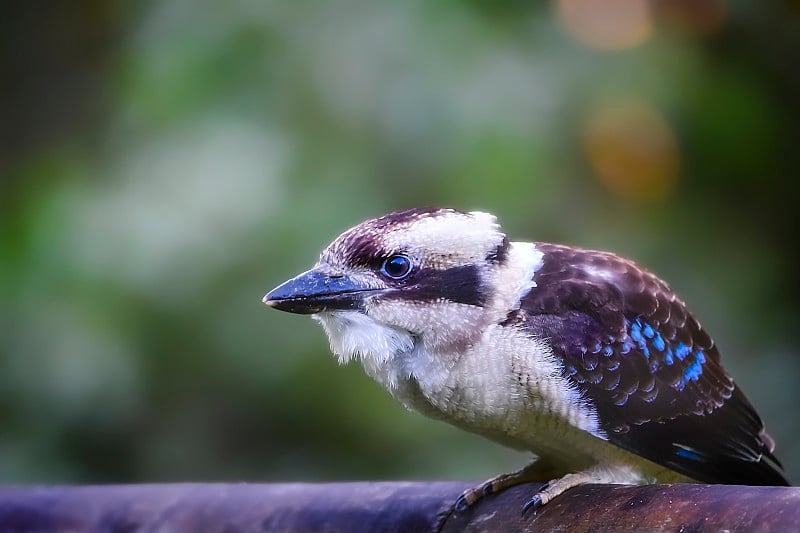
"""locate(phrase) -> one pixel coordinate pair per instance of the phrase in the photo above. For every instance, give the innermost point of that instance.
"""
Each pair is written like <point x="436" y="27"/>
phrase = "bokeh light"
<point x="607" y="24"/>
<point x="632" y="149"/>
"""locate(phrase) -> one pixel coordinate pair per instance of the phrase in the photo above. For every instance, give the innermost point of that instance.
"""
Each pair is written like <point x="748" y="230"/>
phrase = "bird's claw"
<point x="536" y="502"/>
<point x="462" y="503"/>
<point x="470" y="497"/>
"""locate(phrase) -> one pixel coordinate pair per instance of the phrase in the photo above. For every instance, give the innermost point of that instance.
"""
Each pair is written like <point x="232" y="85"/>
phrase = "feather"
<point x="653" y="374"/>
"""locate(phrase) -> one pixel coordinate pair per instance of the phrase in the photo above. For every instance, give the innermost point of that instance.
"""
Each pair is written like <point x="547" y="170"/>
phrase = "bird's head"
<point x="427" y="276"/>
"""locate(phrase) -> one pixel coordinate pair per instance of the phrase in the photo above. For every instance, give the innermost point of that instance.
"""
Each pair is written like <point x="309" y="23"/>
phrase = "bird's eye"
<point x="396" y="266"/>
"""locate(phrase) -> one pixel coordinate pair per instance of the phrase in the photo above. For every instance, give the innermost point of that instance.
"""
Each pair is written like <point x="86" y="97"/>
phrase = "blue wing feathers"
<point x="652" y="372"/>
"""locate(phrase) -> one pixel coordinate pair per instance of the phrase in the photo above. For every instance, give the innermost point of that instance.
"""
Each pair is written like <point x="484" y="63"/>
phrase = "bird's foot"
<point x="539" y="499"/>
<point x="471" y="496"/>
<point x="468" y="498"/>
<point x="599" y="473"/>
<point x="620" y="474"/>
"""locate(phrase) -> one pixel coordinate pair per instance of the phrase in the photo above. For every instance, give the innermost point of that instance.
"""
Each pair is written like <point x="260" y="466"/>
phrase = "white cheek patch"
<point x="353" y="334"/>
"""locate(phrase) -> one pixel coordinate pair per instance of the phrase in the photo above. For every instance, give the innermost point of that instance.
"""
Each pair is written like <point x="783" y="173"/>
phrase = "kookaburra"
<point x="581" y="357"/>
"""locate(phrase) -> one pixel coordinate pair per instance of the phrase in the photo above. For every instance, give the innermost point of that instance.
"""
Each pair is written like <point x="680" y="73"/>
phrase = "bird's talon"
<point x="535" y="503"/>
<point x="461" y="504"/>
<point x="487" y="489"/>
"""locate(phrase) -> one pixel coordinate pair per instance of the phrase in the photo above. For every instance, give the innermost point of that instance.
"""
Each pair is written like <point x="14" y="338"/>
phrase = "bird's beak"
<point x="313" y="291"/>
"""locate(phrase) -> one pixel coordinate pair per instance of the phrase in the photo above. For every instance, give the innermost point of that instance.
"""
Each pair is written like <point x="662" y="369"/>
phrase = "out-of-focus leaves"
<point x="165" y="164"/>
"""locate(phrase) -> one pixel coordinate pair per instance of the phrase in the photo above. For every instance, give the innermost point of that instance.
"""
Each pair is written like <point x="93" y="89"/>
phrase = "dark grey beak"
<point x="313" y="291"/>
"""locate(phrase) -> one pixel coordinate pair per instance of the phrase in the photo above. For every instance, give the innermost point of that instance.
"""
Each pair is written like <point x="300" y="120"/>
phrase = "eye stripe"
<point x="457" y="284"/>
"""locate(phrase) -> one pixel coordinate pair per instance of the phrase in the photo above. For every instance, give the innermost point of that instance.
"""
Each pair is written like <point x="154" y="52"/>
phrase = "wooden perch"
<point x="392" y="507"/>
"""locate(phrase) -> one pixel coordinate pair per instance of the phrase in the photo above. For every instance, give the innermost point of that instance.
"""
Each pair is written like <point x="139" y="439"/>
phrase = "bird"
<point x="581" y="357"/>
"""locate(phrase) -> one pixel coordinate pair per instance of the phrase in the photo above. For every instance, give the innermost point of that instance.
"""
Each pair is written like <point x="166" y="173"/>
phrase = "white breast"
<point x="509" y="387"/>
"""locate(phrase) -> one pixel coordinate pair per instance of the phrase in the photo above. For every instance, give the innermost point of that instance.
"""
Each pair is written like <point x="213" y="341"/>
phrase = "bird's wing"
<point x="651" y="371"/>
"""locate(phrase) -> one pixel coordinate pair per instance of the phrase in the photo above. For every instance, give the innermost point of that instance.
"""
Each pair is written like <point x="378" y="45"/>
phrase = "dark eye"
<point x="396" y="266"/>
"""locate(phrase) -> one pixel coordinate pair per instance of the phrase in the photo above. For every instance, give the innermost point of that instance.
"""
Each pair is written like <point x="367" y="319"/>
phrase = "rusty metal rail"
<point x="391" y="507"/>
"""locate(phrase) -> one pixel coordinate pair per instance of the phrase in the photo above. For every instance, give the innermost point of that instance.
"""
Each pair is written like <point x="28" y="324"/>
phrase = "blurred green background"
<point x="164" y="164"/>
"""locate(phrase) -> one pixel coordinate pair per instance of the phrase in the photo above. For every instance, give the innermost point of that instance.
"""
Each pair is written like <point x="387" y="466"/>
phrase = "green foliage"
<point x="183" y="158"/>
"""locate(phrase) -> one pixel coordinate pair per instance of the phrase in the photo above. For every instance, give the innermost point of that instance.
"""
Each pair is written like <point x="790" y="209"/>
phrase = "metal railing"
<point x="391" y="507"/>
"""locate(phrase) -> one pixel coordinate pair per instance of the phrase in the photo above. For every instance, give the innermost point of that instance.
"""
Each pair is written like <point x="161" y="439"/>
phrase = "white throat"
<point x="354" y="334"/>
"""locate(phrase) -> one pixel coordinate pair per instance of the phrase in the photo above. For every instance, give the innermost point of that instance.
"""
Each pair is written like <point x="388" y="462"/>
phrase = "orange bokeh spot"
<point x="607" y="24"/>
<point x="633" y="150"/>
